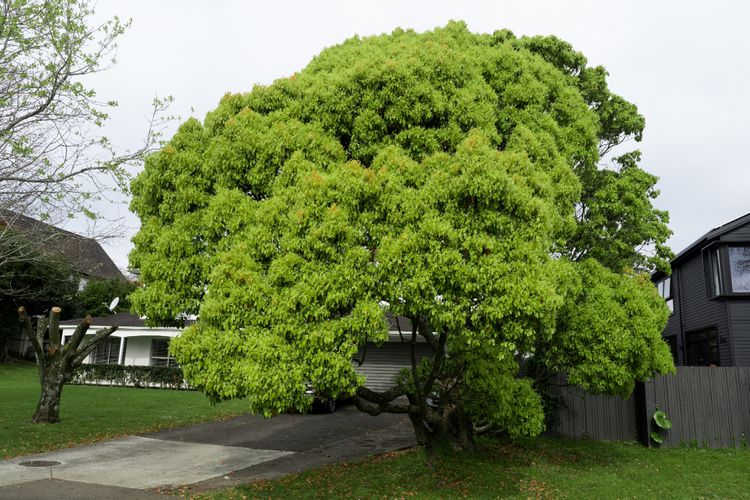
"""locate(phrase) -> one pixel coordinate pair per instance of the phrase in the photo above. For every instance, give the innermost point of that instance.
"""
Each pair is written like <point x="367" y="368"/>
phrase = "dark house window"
<point x="702" y="348"/>
<point x="665" y="290"/>
<point x="160" y="353"/>
<point x="107" y="352"/>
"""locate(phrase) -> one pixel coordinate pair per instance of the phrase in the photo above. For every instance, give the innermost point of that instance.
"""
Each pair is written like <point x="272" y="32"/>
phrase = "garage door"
<point x="382" y="364"/>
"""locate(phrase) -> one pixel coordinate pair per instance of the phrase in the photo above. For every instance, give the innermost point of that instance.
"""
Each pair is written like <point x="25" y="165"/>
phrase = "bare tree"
<point x="54" y="162"/>
<point x="57" y="362"/>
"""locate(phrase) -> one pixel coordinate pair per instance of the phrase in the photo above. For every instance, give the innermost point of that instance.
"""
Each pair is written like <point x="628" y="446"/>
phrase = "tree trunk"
<point x="4" y="346"/>
<point x="52" y="379"/>
<point x="444" y="428"/>
<point x="57" y="362"/>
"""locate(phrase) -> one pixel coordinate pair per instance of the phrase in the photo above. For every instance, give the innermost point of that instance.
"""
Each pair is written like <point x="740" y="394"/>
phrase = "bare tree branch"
<point x="27" y="329"/>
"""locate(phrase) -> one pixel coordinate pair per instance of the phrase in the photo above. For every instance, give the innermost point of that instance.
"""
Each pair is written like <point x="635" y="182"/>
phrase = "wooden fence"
<point x="708" y="407"/>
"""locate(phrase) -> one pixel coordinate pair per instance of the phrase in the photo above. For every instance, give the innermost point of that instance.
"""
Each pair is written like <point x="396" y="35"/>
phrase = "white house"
<point x="134" y="343"/>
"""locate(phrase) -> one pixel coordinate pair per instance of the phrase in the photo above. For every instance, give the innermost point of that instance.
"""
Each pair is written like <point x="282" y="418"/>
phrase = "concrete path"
<point x="205" y="456"/>
<point x="137" y="462"/>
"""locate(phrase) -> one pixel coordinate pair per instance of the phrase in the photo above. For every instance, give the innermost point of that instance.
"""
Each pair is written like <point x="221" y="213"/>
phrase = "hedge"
<point x="164" y="377"/>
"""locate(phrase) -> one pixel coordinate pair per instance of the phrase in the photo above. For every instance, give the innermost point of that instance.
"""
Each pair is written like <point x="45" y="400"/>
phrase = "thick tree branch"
<point x="80" y="331"/>
<point x="437" y="363"/>
<point x="377" y="409"/>
<point x="25" y="321"/>
<point x="381" y="397"/>
<point x="91" y="344"/>
<point x="426" y="332"/>
<point x="54" y="328"/>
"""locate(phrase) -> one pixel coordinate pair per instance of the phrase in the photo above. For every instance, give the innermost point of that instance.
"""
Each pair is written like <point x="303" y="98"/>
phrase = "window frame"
<point x="111" y="348"/>
<point x="729" y="270"/>
<point x="717" y="254"/>
<point x="668" y="297"/>
<point x="168" y="359"/>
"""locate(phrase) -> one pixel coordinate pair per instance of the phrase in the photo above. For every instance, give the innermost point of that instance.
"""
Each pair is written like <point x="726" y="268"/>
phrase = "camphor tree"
<point x="447" y="177"/>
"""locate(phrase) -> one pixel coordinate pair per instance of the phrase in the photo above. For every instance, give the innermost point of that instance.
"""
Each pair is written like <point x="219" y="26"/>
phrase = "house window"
<point x="160" y="353"/>
<point x="665" y="290"/>
<point x="739" y="268"/>
<point x="702" y="348"/>
<point x="714" y="260"/>
<point x="107" y="352"/>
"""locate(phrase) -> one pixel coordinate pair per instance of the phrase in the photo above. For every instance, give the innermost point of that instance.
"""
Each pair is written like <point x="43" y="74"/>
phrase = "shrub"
<point x="163" y="377"/>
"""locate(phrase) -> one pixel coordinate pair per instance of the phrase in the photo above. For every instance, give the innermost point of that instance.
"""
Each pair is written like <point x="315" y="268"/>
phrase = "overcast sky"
<point x="685" y="64"/>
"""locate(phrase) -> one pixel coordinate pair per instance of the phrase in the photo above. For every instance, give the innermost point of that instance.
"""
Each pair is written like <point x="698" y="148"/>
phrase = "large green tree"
<point x="448" y="177"/>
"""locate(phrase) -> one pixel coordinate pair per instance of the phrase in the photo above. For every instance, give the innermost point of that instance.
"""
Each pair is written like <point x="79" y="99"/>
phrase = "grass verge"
<point x="541" y="468"/>
<point x="91" y="413"/>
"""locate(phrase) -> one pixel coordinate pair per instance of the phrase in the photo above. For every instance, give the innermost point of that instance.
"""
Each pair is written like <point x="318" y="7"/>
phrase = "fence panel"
<point x="708" y="407"/>
<point x="582" y="415"/>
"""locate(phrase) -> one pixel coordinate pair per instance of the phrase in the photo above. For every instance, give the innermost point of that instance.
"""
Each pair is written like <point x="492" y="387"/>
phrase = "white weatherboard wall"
<point x="381" y="364"/>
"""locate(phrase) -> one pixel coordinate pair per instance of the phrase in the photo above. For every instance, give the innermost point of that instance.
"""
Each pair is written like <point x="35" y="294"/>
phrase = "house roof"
<point x="133" y="320"/>
<point x="710" y="236"/>
<point x="395" y="322"/>
<point x="119" y="319"/>
<point x="84" y="255"/>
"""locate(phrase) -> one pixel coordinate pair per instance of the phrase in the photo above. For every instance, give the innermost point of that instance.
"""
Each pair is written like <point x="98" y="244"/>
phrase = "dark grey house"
<point x="709" y="296"/>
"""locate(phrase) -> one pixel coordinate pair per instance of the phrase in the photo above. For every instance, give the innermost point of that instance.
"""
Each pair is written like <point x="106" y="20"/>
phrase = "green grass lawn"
<point x="91" y="413"/>
<point x="542" y="468"/>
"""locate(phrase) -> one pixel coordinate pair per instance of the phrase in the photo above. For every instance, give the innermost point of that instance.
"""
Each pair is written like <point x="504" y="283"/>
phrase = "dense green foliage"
<point x="447" y="177"/>
<point x="164" y="377"/>
<point x="98" y="294"/>
<point x="34" y="280"/>
<point x="543" y="468"/>
<point x="93" y="413"/>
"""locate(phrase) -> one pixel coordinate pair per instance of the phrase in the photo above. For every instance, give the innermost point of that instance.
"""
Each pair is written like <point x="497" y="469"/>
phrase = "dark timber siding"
<point x="738" y="308"/>
<point x="695" y="311"/>
<point x="741" y="234"/>
<point x="739" y="317"/>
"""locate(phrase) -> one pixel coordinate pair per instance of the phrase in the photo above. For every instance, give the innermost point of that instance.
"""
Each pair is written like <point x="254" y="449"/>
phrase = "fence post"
<point x="645" y="406"/>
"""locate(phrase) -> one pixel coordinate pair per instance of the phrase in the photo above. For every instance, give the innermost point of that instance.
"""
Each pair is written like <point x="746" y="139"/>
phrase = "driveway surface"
<point x="205" y="456"/>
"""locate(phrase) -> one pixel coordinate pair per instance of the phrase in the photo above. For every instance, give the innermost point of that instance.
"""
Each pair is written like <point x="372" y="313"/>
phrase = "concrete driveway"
<point x="203" y="457"/>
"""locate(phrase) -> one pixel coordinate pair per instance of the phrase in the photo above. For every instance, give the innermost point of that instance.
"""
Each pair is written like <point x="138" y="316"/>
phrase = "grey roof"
<point x="119" y="319"/>
<point x="395" y="322"/>
<point x="84" y="255"/>
<point x="130" y="319"/>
